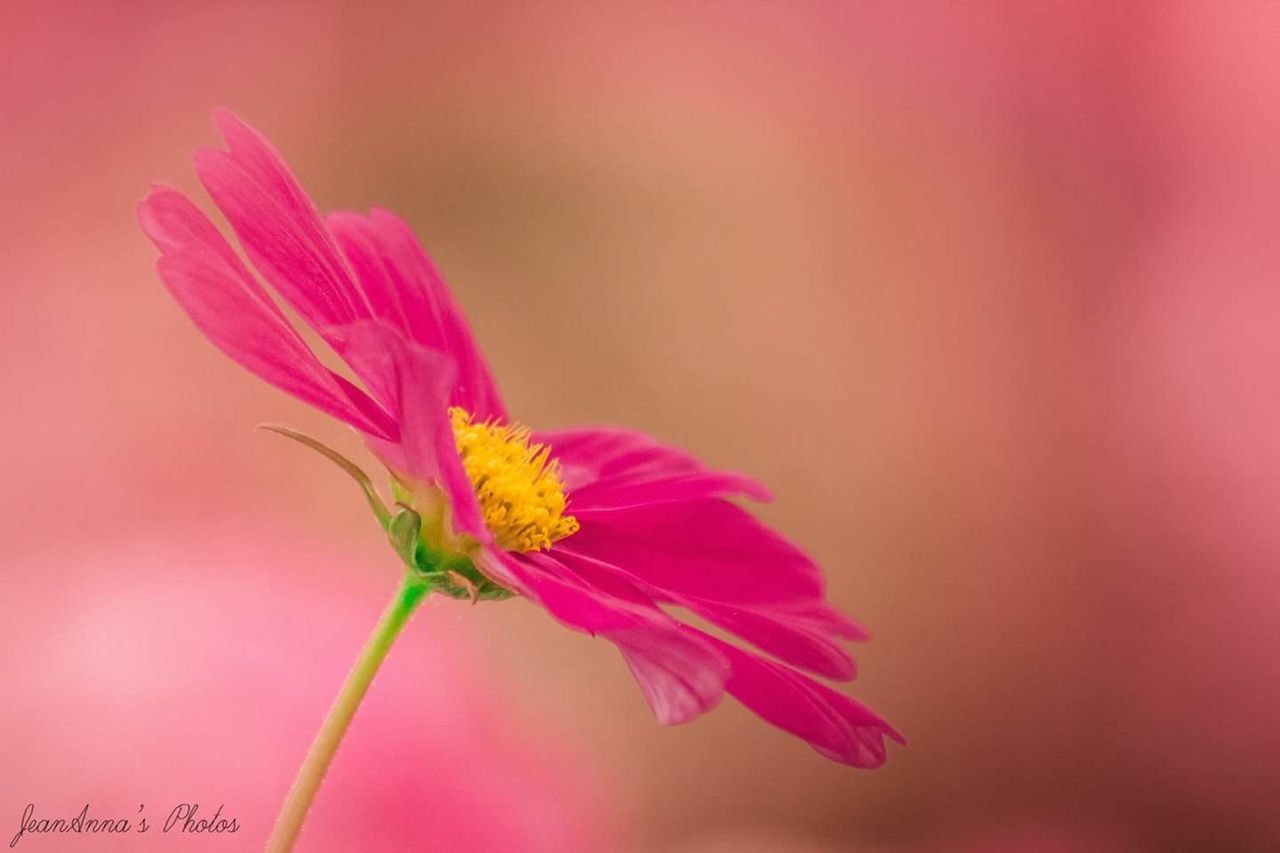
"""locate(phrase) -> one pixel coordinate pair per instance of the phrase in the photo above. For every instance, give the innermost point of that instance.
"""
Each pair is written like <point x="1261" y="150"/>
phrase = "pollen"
<point x="517" y="483"/>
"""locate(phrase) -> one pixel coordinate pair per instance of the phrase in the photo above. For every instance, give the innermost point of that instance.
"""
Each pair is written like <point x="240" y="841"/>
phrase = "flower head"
<point x="606" y="529"/>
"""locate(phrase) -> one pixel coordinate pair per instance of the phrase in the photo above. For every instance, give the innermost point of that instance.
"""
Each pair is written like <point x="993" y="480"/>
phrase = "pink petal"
<point x="680" y="678"/>
<point x="404" y="289"/>
<point x="607" y="468"/>
<point x="680" y="674"/>
<point x="414" y="383"/>
<point x="803" y="633"/>
<point x="541" y="577"/>
<point x="279" y="226"/>
<point x="224" y="300"/>
<point x="797" y="633"/>
<point x="835" y="725"/>
<point x="707" y="549"/>
<point x="391" y="300"/>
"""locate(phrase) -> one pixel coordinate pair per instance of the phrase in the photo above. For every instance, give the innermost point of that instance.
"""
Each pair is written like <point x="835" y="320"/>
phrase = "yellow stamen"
<point x="518" y="484"/>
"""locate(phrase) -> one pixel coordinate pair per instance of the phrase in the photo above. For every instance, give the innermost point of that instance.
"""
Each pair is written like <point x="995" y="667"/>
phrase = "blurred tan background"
<point x="987" y="293"/>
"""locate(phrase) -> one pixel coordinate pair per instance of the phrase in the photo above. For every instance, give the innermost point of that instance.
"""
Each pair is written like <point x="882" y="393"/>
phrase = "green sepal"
<point x="353" y="470"/>
<point x="456" y="576"/>
<point x="461" y="579"/>
<point x="403" y="533"/>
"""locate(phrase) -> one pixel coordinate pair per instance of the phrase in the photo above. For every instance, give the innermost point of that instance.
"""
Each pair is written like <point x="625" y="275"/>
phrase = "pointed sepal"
<point x="353" y="470"/>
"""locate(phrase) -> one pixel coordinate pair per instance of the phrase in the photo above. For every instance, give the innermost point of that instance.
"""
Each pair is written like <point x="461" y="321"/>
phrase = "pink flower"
<point x="601" y="527"/>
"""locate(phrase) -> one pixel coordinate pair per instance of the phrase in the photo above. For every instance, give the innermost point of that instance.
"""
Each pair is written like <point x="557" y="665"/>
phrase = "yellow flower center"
<point x="518" y="484"/>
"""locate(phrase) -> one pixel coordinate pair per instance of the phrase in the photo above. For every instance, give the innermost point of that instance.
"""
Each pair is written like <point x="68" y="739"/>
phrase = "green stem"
<point x="307" y="783"/>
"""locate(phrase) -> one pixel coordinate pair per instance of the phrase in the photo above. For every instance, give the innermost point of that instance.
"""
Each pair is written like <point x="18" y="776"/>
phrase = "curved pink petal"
<point x="707" y="549"/>
<point x="798" y="633"/>
<point x="680" y="678"/>
<point x="803" y="633"/>
<point x="607" y="468"/>
<point x="225" y="301"/>
<point x="404" y="288"/>
<point x="391" y="300"/>
<point x="414" y="384"/>
<point x="832" y="723"/>
<point x="680" y="674"/>
<point x="279" y="226"/>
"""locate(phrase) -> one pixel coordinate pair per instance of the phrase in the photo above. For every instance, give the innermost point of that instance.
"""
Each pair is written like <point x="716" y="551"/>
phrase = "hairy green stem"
<point x="307" y="783"/>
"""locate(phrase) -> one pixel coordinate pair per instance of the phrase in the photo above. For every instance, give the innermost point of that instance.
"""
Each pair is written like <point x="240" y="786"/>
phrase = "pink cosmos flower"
<point x="607" y="529"/>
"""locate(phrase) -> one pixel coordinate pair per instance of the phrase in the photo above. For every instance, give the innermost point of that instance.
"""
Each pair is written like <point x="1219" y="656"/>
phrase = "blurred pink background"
<point x="987" y="293"/>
